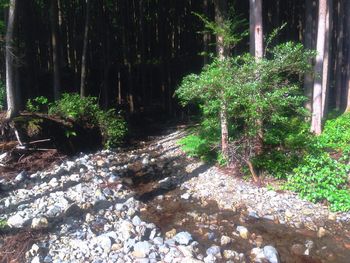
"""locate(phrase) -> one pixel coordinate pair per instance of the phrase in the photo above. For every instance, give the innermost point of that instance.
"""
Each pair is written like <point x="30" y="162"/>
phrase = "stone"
<point x="243" y="232"/>
<point x="16" y="221"/>
<point x="210" y="259"/>
<point x="225" y="240"/>
<point x="171" y="233"/>
<point x="183" y="238"/>
<point x="214" y="250"/>
<point x="36" y="260"/>
<point x="230" y="254"/>
<point x="39" y="223"/>
<point x="141" y="249"/>
<point x="271" y="254"/>
<point x="186" y="251"/>
<point x="186" y="196"/>
<point x="21" y="176"/>
<point x="257" y="255"/>
<point x="126" y="229"/>
<point x="321" y="232"/>
<point x="136" y="221"/>
<point x="158" y="241"/>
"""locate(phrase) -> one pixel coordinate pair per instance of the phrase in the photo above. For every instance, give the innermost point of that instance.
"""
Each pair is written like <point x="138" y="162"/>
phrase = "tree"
<point x="339" y="56"/>
<point x="222" y="52"/>
<point x="84" y="54"/>
<point x="55" y="42"/>
<point x="316" y="120"/>
<point x="12" y="105"/>
<point x="347" y="82"/>
<point x="308" y="39"/>
<point x="256" y="7"/>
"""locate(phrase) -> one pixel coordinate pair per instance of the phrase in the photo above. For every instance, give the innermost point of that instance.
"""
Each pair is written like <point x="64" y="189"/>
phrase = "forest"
<point x="257" y="89"/>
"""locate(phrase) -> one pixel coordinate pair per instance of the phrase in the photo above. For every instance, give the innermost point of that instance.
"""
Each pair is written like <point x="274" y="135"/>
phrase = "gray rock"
<point x="214" y="250"/>
<point x="21" y="176"/>
<point x="17" y="221"/>
<point x="158" y="241"/>
<point x="142" y="249"/>
<point x="136" y="221"/>
<point x="183" y="238"/>
<point x="105" y="243"/>
<point x="271" y="254"/>
<point x="210" y="259"/>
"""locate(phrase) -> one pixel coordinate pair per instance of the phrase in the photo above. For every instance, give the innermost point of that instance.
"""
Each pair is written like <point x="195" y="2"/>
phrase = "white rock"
<point x="183" y="238"/>
<point x="16" y="221"/>
<point x="271" y="254"/>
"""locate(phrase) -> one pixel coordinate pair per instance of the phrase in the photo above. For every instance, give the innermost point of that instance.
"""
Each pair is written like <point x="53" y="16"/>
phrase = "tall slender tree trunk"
<point x="258" y="29"/>
<point x="347" y="81"/>
<point x="55" y="42"/>
<point x="339" y="60"/>
<point x="83" y="72"/>
<point x="308" y="79"/>
<point x="222" y="52"/>
<point x="251" y="28"/>
<point x="327" y="58"/>
<point x="12" y="105"/>
<point x="316" y="121"/>
<point x="206" y="36"/>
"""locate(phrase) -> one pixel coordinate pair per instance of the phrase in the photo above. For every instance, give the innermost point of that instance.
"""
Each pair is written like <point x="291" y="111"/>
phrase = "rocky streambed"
<point x="150" y="203"/>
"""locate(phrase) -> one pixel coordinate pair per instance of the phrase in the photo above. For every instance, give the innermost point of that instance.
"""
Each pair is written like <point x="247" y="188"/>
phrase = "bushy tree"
<point x="265" y="90"/>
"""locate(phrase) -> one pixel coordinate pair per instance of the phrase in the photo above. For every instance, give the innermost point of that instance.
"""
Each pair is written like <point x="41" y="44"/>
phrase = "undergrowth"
<point x="85" y="111"/>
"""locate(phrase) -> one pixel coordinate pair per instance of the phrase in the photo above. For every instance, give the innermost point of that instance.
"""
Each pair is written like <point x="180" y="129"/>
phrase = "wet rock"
<point x="183" y="238"/>
<point x="271" y="254"/>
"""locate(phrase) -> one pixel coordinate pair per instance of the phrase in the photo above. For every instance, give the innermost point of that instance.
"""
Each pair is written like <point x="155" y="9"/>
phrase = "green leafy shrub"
<point x="38" y="104"/>
<point x="320" y="177"/>
<point x="86" y="111"/>
<point x="195" y="146"/>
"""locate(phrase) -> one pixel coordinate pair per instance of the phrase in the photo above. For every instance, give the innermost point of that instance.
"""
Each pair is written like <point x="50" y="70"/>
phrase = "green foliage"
<point x="2" y="95"/>
<point x="87" y="111"/>
<point x="38" y="104"/>
<point x="3" y="224"/>
<point x="230" y="29"/>
<point x="263" y="90"/>
<point x="196" y="146"/>
<point x="320" y="177"/>
<point x="74" y="107"/>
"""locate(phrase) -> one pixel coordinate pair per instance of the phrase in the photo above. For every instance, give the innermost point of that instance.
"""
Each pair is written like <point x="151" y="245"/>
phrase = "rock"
<point x="210" y="259"/>
<point x="214" y="250"/>
<point x="126" y="229"/>
<point x="39" y="223"/>
<point x="183" y="238"/>
<point x="257" y="255"/>
<point x="21" y="176"/>
<point x="321" y="232"/>
<point x="141" y="249"/>
<point x="136" y="221"/>
<point x="170" y="233"/>
<point x="72" y="210"/>
<point x="271" y="254"/>
<point x="36" y="260"/>
<point x="230" y="254"/>
<point x="243" y="232"/>
<point x="186" y="251"/>
<point x="17" y="221"/>
<point x="259" y="241"/>
<point x="225" y="240"/>
<point x="158" y="241"/>
<point x="332" y="216"/>
<point x="297" y="249"/>
<point x="186" y="196"/>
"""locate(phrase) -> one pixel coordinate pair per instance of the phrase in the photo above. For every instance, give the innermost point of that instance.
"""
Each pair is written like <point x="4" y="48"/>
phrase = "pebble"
<point x="183" y="238"/>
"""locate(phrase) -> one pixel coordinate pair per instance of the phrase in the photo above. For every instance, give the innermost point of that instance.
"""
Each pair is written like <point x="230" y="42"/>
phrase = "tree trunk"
<point x="308" y="79"/>
<point x="12" y="105"/>
<point x="55" y="42"/>
<point x="316" y="121"/>
<point x="327" y="58"/>
<point x="339" y="61"/>
<point x="222" y="52"/>
<point x="251" y="28"/>
<point x="258" y="29"/>
<point x="84" y="54"/>
<point x="347" y="81"/>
